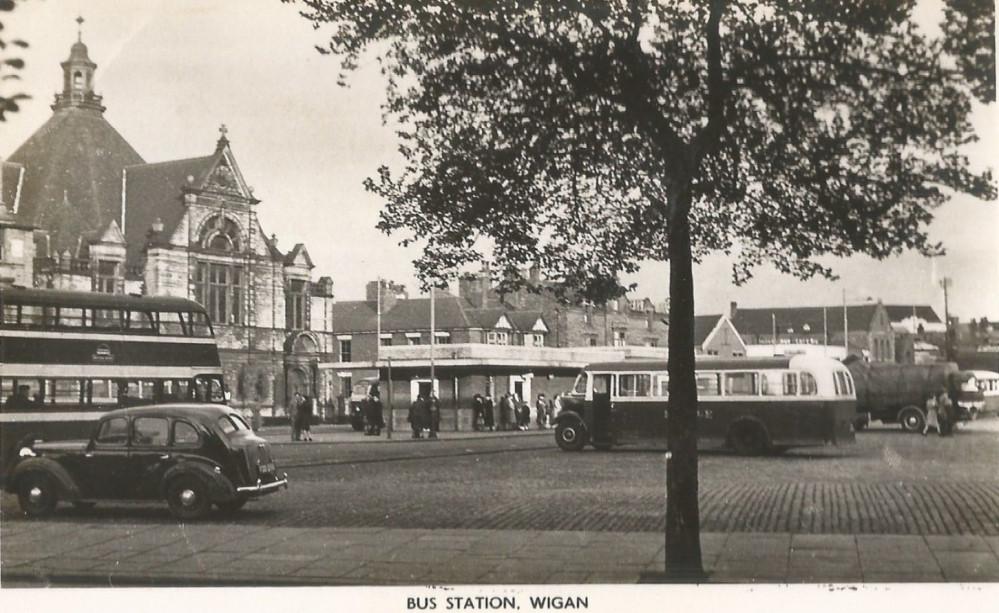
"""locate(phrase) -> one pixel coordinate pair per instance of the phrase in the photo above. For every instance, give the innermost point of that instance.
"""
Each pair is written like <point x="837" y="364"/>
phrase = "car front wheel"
<point x="912" y="419"/>
<point x="188" y="498"/>
<point x="37" y="495"/>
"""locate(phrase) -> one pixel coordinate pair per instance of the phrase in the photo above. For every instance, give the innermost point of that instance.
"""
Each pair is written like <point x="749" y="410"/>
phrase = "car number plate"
<point x="267" y="468"/>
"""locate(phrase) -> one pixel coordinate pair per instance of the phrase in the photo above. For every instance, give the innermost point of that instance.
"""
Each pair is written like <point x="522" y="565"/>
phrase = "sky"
<point x="172" y="71"/>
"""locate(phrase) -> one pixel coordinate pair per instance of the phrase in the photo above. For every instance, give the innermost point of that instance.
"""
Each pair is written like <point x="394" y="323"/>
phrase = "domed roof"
<point x="78" y="52"/>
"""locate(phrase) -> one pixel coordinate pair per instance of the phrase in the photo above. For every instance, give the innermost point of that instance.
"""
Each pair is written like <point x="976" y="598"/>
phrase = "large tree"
<point x="10" y="64"/>
<point x="588" y="137"/>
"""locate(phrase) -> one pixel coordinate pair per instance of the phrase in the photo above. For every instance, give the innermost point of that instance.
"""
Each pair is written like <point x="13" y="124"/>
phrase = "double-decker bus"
<point x="752" y="405"/>
<point x="68" y="357"/>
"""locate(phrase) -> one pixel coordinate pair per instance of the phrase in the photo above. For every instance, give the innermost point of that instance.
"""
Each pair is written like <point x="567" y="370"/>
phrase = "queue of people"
<point x="940" y="413"/>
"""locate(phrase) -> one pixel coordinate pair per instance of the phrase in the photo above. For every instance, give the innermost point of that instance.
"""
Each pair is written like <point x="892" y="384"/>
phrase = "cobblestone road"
<point x="889" y="483"/>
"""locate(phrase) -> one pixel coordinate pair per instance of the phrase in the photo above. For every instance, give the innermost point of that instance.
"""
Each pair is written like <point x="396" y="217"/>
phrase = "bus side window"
<point x="601" y="384"/>
<point x="790" y="384"/>
<point x="109" y="319"/>
<point x="661" y="385"/>
<point x="707" y="384"/>
<point x="32" y="316"/>
<point x="808" y="385"/>
<point x="71" y="317"/>
<point x="9" y="315"/>
<point x="627" y="386"/>
<point x="198" y="325"/>
<point x="740" y="384"/>
<point x="140" y="320"/>
<point x="170" y="324"/>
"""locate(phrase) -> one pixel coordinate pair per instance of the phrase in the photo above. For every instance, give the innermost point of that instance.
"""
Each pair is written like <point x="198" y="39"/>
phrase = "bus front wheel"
<point x="912" y="419"/>
<point x="570" y="436"/>
<point x="748" y="438"/>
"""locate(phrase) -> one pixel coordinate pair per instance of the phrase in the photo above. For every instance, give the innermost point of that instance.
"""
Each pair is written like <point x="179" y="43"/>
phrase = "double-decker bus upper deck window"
<point x="198" y="324"/>
<point x="741" y="384"/>
<point x="71" y="317"/>
<point x="9" y="315"/>
<point x="32" y="316"/>
<point x="66" y="391"/>
<point x="707" y="384"/>
<point x="107" y="319"/>
<point x="579" y="387"/>
<point x="170" y="324"/>
<point x="141" y="320"/>
<point x="809" y="387"/>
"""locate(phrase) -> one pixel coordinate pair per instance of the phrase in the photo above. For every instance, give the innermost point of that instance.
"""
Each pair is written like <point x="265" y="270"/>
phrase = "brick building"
<point x="110" y="222"/>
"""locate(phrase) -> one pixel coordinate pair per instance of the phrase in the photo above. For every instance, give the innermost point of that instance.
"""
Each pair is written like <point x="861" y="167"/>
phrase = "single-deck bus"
<point x="68" y="357"/>
<point x="752" y="405"/>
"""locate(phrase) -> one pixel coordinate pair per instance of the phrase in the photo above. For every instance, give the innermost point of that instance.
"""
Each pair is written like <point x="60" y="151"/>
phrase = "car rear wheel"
<point x="37" y="495"/>
<point x="233" y="505"/>
<point x="188" y="498"/>
<point x="570" y="436"/>
<point x="912" y="419"/>
<point x="748" y="438"/>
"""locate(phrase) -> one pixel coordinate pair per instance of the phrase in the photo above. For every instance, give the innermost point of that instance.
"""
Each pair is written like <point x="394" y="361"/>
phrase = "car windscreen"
<point x="231" y="423"/>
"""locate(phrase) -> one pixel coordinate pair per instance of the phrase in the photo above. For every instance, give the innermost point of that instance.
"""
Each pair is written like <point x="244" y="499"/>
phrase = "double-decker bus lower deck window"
<point x="66" y="391"/>
<point x="9" y="315"/>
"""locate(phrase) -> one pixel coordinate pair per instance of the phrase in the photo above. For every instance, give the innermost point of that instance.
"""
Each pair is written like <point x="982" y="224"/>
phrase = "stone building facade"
<point x="110" y="222"/>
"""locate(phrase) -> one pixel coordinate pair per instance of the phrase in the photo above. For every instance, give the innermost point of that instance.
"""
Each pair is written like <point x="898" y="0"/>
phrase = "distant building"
<point x="110" y="222"/>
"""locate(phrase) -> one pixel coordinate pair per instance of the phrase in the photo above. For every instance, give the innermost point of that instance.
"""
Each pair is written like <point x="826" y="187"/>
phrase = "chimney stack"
<point x="733" y="308"/>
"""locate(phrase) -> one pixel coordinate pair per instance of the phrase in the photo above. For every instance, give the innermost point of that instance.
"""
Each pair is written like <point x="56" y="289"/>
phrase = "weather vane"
<point x="79" y="28"/>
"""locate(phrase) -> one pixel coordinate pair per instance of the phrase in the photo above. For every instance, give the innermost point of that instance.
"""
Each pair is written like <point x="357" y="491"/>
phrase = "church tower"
<point x="78" y="79"/>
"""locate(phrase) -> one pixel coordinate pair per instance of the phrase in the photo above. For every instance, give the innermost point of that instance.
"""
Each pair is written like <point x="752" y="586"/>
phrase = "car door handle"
<point x="89" y="454"/>
<point x="165" y="456"/>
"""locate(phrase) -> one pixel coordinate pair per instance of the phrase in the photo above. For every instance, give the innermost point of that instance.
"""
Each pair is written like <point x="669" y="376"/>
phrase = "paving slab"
<point x="823" y="542"/>
<point x="957" y="543"/>
<point x="968" y="565"/>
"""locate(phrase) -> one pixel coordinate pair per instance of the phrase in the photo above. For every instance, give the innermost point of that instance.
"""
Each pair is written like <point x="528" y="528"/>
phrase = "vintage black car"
<point x="191" y="455"/>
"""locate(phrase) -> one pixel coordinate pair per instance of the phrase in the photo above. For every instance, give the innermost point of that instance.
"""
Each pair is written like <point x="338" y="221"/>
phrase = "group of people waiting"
<point x="514" y="413"/>
<point x="425" y="415"/>
<point x="940" y="413"/>
<point x="373" y="412"/>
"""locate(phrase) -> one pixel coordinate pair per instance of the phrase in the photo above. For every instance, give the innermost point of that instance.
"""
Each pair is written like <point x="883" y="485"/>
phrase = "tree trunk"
<point x="683" y="542"/>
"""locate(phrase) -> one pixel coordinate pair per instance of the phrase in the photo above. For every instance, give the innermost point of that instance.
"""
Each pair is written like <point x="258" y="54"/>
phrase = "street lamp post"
<point x="945" y="283"/>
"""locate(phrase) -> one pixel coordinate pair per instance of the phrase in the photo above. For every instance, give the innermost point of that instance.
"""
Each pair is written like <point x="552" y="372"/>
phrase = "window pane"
<point x="176" y="390"/>
<point x="113" y="432"/>
<point x="106" y="318"/>
<point x="662" y="385"/>
<point x="808" y="385"/>
<point x="170" y="324"/>
<point x="140" y="320"/>
<point x="184" y="434"/>
<point x="70" y="317"/>
<point x="149" y="431"/>
<point x="626" y="385"/>
<point x="66" y="391"/>
<point x="707" y="384"/>
<point x="199" y="325"/>
<point x="9" y="314"/>
<point x="226" y="424"/>
<point x="31" y="315"/>
<point x="740" y="384"/>
<point x="790" y="384"/>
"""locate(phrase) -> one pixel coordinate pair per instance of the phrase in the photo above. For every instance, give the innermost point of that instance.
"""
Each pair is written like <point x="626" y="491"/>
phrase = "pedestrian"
<point x="542" y="412"/>
<point x="477" y="412"/>
<point x="415" y="418"/>
<point x="293" y="408"/>
<point x="556" y="406"/>
<point x="377" y="412"/>
<point x="489" y="416"/>
<point x="504" y="406"/>
<point x="947" y="414"/>
<point x="435" y="415"/>
<point x="932" y="415"/>
<point x="304" y="418"/>
<point x="525" y="413"/>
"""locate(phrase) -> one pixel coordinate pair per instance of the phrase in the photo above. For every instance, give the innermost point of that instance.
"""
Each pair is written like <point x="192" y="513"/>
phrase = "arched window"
<point x="220" y="234"/>
<point x="77" y="79"/>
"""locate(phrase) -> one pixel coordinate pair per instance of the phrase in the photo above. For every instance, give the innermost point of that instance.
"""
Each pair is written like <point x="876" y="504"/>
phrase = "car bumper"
<point x="262" y="488"/>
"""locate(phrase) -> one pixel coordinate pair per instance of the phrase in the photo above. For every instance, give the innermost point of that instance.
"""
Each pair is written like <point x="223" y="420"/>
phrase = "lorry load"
<point x="897" y="393"/>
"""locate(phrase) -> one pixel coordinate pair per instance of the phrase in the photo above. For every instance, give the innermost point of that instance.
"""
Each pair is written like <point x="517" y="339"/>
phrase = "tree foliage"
<point x="553" y="129"/>
<point x="10" y="64"/>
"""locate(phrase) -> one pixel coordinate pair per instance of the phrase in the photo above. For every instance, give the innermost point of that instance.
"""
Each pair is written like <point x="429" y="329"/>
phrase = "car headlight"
<point x="26" y="452"/>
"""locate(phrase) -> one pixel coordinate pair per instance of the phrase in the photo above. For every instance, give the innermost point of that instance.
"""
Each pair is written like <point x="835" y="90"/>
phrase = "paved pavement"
<point x="41" y="553"/>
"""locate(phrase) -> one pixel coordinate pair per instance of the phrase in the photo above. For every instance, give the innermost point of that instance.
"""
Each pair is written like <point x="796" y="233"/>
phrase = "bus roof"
<point x="703" y="363"/>
<point x="52" y="297"/>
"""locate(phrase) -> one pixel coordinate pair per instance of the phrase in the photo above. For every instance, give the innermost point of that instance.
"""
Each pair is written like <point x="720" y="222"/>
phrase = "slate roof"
<point x="703" y="325"/>
<point x="524" y="320"/>
<point x="72" y="180"/>
<point x="899" y="312"/>
<point x="759" y="321"/>
<point x="155" y="190"/>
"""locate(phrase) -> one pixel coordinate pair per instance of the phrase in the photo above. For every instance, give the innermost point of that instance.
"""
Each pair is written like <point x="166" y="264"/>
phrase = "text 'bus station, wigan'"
<point x="132" y="290"/>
